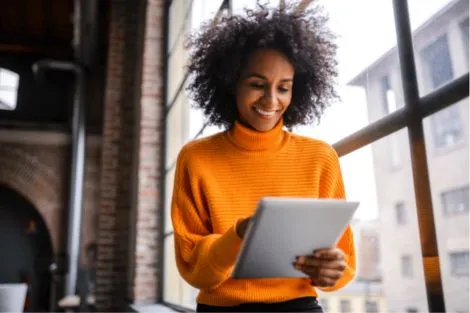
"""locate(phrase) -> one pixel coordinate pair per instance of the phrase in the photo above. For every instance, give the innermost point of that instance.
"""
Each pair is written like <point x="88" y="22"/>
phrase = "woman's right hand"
<point x="242" y="226"/>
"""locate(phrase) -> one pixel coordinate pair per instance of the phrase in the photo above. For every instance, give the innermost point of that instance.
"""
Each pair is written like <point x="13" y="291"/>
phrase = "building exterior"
<point x="441" y="54"/>
<point x="356" y="297"/>
<point x="366" y="293"/>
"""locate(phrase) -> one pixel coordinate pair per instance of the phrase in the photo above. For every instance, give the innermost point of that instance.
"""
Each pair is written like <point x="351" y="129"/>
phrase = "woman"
<point x="255" y="75"/>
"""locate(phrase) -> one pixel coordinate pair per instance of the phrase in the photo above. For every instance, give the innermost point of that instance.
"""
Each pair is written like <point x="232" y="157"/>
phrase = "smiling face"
<point x="264" y="90"/>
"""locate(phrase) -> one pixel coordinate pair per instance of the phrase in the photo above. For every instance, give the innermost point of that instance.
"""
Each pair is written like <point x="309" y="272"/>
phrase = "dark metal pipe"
<point x="422" y="187"/>
<point x="77" y="168"/>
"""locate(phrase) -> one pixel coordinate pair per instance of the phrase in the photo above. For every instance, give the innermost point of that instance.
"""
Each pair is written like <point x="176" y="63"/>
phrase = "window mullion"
<point x="422" y="187"/>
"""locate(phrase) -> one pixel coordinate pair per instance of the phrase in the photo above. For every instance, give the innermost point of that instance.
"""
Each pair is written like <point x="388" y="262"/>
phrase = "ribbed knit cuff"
<point x="225" y="250"/>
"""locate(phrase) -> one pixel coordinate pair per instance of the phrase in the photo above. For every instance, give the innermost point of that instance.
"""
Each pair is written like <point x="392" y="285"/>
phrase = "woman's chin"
<point x="264" y="126"/>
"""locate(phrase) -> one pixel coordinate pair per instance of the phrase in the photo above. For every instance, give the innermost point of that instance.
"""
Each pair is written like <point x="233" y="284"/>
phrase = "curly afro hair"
<point x="219" y="52"/>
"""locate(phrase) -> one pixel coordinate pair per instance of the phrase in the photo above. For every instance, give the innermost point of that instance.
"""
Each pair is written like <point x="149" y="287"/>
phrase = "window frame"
<point x="406" y="266"/>
<point x="453" y="270"/>
<point x="345" y="305"/>
<point x="465" y="37"/>
<point x="385" y="87"/>
<point x="409" y="116"/>
<point x="369" y="304"/>
<point x="439" y="137"/>
<point x="11" y="89"/>
<point x="445" y="211"/>
<point x="426" y="58"/>
<point x="400" y="208"/>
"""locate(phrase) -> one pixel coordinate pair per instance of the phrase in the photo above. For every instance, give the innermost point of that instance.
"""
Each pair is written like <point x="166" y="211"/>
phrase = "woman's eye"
<point x="256" y="85"/>
<point x="283" y="89"/>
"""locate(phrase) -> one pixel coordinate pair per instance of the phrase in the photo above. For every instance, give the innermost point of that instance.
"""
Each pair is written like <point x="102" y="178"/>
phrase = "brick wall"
<point x="128" y="215"/>
<point x="38" y="172"/>
<point x="145" y="255"/>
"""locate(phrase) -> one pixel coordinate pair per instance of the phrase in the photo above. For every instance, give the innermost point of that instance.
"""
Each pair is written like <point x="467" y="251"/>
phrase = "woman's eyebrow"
<point x="261" y="76"/>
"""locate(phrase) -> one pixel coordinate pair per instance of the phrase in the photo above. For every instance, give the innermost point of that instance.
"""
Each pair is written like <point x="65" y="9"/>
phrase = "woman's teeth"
<point x="265" y="113"/>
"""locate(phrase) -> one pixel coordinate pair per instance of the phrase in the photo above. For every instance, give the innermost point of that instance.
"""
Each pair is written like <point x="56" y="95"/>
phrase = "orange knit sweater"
<point x="219" y="180"/>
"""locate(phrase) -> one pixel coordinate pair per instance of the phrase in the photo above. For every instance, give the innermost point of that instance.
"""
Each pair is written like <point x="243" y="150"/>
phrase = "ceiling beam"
<point x="35" y="49"/>
<point x="44" y="40"/>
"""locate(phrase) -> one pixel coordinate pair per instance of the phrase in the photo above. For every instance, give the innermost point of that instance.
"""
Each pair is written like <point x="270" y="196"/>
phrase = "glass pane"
<point x="172" y="282"/>
<point x="196" y="122"/>
<point x="449" y="176"/>
<point x="183" y="123"/>
<point x="203" y="11"/>
<point x="390" y="275"/>
<point x="464" y="25"/>
<point x="210" y="130"/>
<point x="176" y="129"/>
<point x="8" y="89"/>
<point x="176" y="290"/>
<point x="169" y="181"/>
<point x="366" y="75"/>
<point x="176" y="69"/>
<point x="8" y="99"/>
<point x="178" y="11"/>
<point x="189" y="295"/>
<point x="440" y="41"/>
<point x="238" y="6"/>
<point x="446" y="130"/>
<point x="9" y="78"/>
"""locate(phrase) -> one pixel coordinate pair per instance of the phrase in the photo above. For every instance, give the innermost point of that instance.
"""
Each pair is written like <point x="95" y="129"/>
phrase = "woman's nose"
<point x="270" y="99"/>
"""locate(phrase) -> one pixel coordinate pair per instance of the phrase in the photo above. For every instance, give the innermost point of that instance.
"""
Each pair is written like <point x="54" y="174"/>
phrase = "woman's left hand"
<point x="324" y="267"/>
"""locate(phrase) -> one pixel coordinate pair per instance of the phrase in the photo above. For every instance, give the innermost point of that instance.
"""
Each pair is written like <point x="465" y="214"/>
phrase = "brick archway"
<point x="34" y="172"/>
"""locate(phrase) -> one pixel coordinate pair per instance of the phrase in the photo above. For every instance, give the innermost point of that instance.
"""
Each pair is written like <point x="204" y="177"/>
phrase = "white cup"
<point x="12" y="297"/>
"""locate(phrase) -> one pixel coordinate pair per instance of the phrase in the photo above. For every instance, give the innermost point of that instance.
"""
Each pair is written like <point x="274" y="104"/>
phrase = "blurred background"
<point x="93" y="113"/>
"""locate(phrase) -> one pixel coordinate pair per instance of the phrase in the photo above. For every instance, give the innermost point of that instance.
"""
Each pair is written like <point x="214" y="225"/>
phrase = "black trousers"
<point x="307" y="304"/>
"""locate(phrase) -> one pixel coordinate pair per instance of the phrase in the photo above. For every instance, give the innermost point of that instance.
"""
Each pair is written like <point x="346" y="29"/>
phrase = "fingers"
<point x="329" y="254"/>
<point x="318" y="272"/>
<point x="310" y="261"/>
<point x="321" y="277"/>
<point x="325" y="267"/>
<point x="323" y="282"/>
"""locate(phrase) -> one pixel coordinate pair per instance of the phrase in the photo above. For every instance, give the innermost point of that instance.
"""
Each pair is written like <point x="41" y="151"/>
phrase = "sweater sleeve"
<point x="333" y="187"/>
<point x="204" y="259"/>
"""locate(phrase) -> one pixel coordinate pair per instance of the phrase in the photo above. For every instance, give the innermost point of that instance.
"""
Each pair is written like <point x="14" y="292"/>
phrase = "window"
<point x="372" y="307"/>
<point x="345" y="305"/>
<point x="438" y="62"/>
<point x="406" y="266"/>
<point x="395" y="152"/>
<point x="179" y="128"/>
<point x="388" y="95"/>
<point x="459" y="263"/>
<point x="400" y="213"/>
<point x="324" y="304"/>
<point x="8" y="89"/>
<point x="464" y="30"/>
<point x="447" y="126"/>
<point x="455" y="201"/>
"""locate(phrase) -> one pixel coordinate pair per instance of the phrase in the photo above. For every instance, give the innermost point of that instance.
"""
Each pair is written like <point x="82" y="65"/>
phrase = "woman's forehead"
<point x="268" y="61"/>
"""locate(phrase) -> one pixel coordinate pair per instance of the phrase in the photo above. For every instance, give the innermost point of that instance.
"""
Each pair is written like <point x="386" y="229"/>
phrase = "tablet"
<point x="283" y="228"/>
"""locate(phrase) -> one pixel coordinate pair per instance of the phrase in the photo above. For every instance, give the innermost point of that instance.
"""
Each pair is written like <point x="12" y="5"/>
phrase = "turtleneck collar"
<point x="252" y="140"/>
